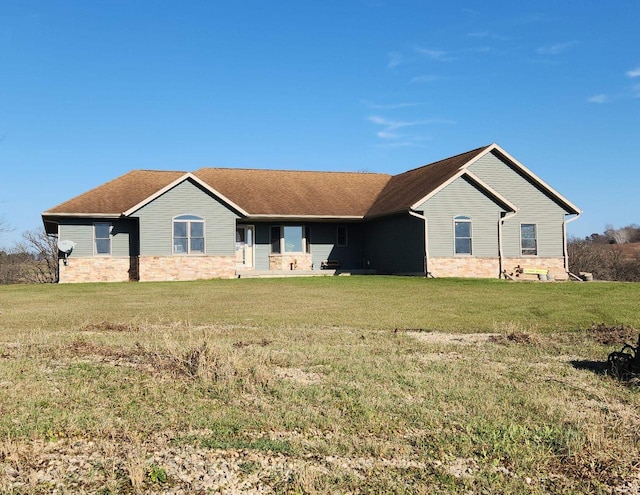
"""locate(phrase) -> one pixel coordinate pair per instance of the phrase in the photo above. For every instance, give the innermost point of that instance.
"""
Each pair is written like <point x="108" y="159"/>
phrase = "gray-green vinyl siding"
<point x="395" y="244"/>
<point x="534" y="206"/>
<point x="465" y="199"/>
<point x="323" y="245"/>
<point x="123" y="236"/>
<point x="187" y="198"/>
<point x="322" y="240"/>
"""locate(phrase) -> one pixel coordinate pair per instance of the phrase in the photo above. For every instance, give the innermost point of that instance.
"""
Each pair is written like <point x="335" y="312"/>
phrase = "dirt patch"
<point x="616" y="335"/>
<point x="107" y="326"/>
<point x="513" y="338"/>
<point x="452" y="338"/>
<point x="299" y="376"/>
<point x="262" y="343"/>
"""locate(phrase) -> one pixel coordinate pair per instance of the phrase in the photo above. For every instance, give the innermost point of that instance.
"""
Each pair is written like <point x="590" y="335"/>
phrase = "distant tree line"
<point x="611" y="255"/>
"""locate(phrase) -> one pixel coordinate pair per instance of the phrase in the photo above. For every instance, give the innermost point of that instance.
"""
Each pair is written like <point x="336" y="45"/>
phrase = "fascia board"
<point x="492" y="192"/>
<point x="438" y="189"/>
<point x="538" y="180"/>
<point x="179" y="180"/>
<point x="265" y="216"/>
<point x="81" y="215"/>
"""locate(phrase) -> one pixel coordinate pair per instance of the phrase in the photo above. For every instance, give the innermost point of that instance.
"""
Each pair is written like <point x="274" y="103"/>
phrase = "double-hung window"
<point x="102" y="238"/>
<point x="188" y="235"/>
<point x="529" y="239"/>
<point x="462" y="232"/>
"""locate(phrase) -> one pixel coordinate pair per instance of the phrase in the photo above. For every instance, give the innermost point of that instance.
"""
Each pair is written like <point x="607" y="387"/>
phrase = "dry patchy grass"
<point x="248" y="403"/>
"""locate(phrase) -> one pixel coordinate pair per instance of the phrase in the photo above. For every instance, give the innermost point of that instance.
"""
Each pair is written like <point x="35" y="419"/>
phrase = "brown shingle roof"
<point x="286" y="192"/>
<point x="404" y="190"/>
<point x="118" y="195"/>
<point x="279" y="192"/>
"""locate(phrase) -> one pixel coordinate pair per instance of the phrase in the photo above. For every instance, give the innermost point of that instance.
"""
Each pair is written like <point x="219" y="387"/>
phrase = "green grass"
<point x="358" y="302"/>
<point x="343" y="377"/>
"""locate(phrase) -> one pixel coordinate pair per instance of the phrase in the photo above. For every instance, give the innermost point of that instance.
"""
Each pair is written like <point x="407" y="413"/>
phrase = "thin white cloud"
<point x="601" y="98"/>
<point x="393" y="138"/>
<point x="633" y="73"/>
<point x="556" y="49"/>
<point x="437" y="55"/>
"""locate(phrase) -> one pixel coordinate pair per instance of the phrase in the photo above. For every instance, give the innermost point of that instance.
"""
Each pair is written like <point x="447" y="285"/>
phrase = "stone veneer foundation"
<point x="146" y="268"/>
<point x="98" y="269"/>
<point x="166" y="268"/>
<point x="290" y="261"/>
<point x="470" y="267"/>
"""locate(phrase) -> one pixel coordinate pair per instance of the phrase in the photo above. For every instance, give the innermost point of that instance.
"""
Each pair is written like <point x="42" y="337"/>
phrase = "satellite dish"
<point x="65" y="247"/>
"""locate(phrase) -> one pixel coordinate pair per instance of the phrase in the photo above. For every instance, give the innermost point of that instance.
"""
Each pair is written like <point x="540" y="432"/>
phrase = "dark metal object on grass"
<point x="625" y="364"/>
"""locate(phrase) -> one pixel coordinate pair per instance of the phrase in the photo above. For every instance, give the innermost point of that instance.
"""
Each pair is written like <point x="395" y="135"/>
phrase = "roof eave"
<point x="187" y="176"/>
<point x="273" y="216"/>
<point x="49" y="214"/>
<point x="498" y="198"/>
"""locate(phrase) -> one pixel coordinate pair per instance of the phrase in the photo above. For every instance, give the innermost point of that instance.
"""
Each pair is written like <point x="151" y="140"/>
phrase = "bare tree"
<point x="618" y="236"/>
<point x="40" y="255"/>
<point x="4" y="226"/>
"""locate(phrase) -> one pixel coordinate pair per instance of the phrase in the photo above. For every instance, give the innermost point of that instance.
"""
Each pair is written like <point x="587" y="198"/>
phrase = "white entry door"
<point x="244" y="246"/>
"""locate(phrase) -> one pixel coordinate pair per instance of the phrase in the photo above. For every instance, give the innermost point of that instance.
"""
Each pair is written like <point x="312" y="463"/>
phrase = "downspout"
<point x="507" y="216"/>
<point x="564" y="239"/>
<point x="426" y="241"/>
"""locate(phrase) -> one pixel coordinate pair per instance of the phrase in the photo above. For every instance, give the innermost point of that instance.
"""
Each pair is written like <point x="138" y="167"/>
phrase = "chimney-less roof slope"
<point x="404" y="190"/>
<point x="296" y="193"/>
<point x="118" y="195"/>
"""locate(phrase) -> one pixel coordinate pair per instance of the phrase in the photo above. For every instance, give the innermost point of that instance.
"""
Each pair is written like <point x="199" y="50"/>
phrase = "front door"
<point x="244" y="246"/>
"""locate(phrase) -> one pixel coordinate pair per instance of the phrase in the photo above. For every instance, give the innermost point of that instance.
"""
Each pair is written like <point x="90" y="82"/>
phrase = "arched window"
<point x="462" y="233"/>
<point x="188" y="235"/>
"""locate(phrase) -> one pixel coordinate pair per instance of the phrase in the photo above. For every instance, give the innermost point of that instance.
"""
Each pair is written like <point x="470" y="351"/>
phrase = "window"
<point x="289" y="239"/>
<point x="528" y="239"/>
<point x="462" y="230"/>
<point x="341" y="236"/>
<point x="293" y="239"/>
<point x="102" y="236"/>
<point x="188" y="235"/>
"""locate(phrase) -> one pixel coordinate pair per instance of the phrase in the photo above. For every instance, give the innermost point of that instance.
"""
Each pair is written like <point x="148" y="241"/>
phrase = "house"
<point x="478" y="214"/>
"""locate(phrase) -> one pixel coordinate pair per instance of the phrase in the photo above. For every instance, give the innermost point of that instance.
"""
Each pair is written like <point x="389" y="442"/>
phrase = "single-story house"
<point x="478" y="214"/>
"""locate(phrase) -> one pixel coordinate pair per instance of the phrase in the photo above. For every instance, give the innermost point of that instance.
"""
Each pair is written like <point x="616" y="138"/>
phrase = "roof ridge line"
<point x="294" y="171"/>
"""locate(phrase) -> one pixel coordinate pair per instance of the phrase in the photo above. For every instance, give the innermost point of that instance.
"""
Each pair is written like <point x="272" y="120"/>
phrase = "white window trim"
<point x="305" y="241"/>
<point x="199" y="219"/>
<point x="536" y="238"/>
<point x="95" y="246"/>
<point x="346" y="236"/>
<point x="469" y="220"/>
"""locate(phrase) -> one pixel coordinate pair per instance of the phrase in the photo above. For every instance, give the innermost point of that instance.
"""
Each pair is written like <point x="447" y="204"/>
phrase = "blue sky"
<point x="90" y="90"/>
